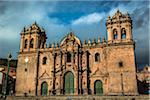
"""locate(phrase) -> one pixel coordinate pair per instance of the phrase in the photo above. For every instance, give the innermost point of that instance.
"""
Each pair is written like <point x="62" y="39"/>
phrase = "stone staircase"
<point x="87" y="97"/>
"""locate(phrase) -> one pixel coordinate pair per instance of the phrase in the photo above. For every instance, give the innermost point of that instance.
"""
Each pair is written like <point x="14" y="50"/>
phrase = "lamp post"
<point x="9" y="57"/>
<point x="26" y="61"/>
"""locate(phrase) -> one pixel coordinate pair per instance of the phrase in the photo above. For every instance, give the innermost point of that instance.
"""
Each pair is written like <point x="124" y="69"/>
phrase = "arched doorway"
<point x="44" y="89"/>
<point x="98" y="87"/>
<point x="69" y="83"/>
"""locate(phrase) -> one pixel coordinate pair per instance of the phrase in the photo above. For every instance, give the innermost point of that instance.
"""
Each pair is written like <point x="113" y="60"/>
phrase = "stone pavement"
<point x="89" y="97"/>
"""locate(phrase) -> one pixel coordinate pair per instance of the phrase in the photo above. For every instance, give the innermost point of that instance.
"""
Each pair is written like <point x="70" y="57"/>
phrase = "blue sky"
<point x="85" y="18"/>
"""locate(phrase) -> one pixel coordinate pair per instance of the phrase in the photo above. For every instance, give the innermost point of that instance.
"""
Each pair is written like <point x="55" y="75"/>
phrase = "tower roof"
<point x="34" y="27"/>
<point x="117" y="14"/>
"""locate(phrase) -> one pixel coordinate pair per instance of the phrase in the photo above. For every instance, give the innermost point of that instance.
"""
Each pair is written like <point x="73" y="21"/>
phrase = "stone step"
<point x="89" y="97"/>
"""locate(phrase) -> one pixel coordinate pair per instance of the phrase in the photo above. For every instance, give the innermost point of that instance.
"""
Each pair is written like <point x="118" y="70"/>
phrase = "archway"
<point x="123" y="33"/>
<point x="69" y="83"/>
<point x="98" y="87"/>
<point x="44" y="89"/>
<point x="31" y="43"/>
<point x="115" y="34"/>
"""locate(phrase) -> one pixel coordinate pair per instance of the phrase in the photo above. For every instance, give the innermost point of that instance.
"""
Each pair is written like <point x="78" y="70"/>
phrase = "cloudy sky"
<point x="85" y="18"/>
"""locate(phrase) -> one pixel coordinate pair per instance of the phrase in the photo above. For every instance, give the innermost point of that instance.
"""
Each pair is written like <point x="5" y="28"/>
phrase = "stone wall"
<point x="26" y="74"/>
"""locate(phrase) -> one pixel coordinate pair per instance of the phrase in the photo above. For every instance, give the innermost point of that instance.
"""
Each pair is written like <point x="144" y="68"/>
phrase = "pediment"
<point x="44" y="75"/>
<point x="98" y="72"/>
<point x="70" y="39"/>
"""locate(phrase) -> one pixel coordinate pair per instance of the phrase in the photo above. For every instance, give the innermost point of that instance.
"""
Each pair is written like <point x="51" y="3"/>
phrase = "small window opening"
<point x="44" y="60"/>
<point x="68" y="57"/>
<point x="121" y="64"/>
<point x="115" y="34"/>
<point x="123" y="33"/>
<point x="26" y="43"/>
<point x="25" y="70"/>
<point x="31" y="43"/>
<point x="97" y="57"/>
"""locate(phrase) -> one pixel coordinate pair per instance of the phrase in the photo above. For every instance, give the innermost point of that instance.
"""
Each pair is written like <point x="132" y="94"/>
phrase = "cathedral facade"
<point x="100" y="67"/>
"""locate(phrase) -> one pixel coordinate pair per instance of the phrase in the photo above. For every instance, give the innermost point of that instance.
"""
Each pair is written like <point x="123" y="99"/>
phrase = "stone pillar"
<point x="36" y="42"/>
<point x="22" y="43"/>
<point x="65" y="59"/>
<point x="63" y="69"/>
<point x="109" y="33"/>
<point x="88" y="73"/>
<point x="85" y="81"/>
<point x="37" y="72"/>
<point x="129" y="33"/>
<point x="73" y="60"/>
<point x="61" y="72"/>
<point x="29" y="39"/>
<point x="78" y="76"/>
<point x="119" y="32"/>
<point x="54" y="72"/>
<point x="80" y="72"/>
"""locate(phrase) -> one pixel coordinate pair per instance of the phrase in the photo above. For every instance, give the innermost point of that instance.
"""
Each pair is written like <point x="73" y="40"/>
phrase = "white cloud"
<point x="17" y="16"/>
<point x="89" y="19"/>
<point x="130" y="7"/>
<point x="121" y="8"/>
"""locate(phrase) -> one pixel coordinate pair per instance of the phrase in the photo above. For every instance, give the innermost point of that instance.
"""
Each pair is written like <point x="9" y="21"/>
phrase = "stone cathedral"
<point x="97" y="67"/>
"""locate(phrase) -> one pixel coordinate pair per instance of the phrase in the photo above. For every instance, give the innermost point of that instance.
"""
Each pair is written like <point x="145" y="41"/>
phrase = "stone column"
<point x="109" y="33"/>
<point x="119" y="32"/>
<point x="73" y="61"/>
<point x="37" y="73"/>
<point x="78" y="62"/>
<point x="29" y="39"/>
<point x="80" y="72"/>
<point x="22" y="43"/>
<point x="129" y="33"/>
<point x="36" y="43"/>
<point x="61" y="69"/>
<point x="65" y="59"/>
<point x="64" y="68"/>
<point x="54" y="77"/>
<point x="88" y="73"/>
<point x="84" y="70"/>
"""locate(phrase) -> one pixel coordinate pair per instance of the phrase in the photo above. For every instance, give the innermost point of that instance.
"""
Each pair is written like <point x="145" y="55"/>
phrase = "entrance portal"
<point x="44" y="89"/>
<point x="98" y="87"/>
<point x="69" y="83"/>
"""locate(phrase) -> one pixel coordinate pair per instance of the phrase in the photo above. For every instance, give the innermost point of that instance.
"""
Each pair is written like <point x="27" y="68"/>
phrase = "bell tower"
<point x="119" y="27"/>
<point x="32" y="38"/>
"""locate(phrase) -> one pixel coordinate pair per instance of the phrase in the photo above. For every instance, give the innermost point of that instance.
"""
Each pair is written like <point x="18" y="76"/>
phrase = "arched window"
<point x="25" y="43"/>
<point x="44" y="60"/>
<point x="68" y="57"/>
<point x="97" y="57"/>
<point x="115" y="34"/>
<point x="123" y="33"/>
<point x="31" y="43"/>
